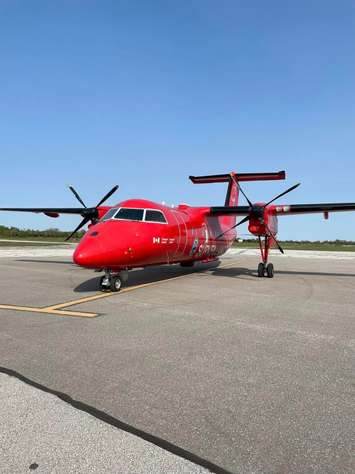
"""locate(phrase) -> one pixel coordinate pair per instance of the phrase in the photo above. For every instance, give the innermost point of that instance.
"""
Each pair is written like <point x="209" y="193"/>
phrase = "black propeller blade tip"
<point x="76" y="194"/>
<point x="108" y="195"/>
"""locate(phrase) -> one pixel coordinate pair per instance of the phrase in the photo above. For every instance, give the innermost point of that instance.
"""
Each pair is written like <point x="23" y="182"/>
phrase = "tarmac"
<point x="209" y="369"/>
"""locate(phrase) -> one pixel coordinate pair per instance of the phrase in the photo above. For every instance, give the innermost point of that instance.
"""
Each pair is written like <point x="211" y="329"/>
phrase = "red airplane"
<point x="138" y="233"/>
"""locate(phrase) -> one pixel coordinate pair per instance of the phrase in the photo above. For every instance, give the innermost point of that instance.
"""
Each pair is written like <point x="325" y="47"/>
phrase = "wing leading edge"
<point x="313" y="208"/>
<point x="284" y="209"/>
<point x="49" y="210"/>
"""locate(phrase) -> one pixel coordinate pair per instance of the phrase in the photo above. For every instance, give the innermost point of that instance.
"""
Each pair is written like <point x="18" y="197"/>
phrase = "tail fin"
<point x="232" y="196"/>
<point x="233" y="191"/>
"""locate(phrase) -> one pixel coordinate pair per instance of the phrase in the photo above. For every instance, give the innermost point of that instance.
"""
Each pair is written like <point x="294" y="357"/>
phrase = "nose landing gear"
<point x="113" y="281"/>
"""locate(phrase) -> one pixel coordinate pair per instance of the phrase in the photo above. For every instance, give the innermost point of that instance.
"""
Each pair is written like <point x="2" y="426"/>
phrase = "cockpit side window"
<point x="154" y="216"/>
<point x="130" y="214"/>
<point x="109" y="214"/>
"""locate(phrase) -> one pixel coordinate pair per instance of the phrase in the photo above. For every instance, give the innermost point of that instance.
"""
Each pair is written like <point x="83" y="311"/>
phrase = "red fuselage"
<point x="185" y="234"/>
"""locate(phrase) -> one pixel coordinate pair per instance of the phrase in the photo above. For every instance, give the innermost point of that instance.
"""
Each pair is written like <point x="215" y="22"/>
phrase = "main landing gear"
<point x="264" y="268"/>
<point x="113" y="281"/>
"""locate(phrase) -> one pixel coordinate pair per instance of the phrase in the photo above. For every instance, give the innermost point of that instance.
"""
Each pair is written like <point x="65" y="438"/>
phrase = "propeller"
<point x="82" y="223"/>
<point x="282" y="194"/>
<point x="258" y="211"/>
<point x="89" y="213"/>
<point x="108" y="195"/>
<point x="275" y="240"/>
<point x="76" y="195"/>
<point x="245" y="219"/>
<point x="241" y="190"/>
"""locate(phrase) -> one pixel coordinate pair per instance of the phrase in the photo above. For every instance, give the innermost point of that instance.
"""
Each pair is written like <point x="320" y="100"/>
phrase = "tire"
<point x="116" y="284"/>
<point x="270" y="270"/>
<point x="261" y="270"/>
<point x="104" y="283"/>
<point x="187" y="264"/>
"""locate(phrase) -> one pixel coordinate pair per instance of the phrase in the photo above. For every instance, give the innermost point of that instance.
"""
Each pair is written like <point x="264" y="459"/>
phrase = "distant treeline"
<point x="337" y="241"/>
<point x="53" y="233"/>
<point x="12" y="232"/>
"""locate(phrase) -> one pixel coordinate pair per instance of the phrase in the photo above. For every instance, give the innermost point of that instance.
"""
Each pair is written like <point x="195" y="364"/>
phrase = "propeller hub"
<point x="257" y="212"/>
<point x="89" y="213"/>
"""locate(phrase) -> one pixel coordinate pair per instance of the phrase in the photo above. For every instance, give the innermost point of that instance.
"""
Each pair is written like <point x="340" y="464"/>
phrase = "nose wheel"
<point x="116" y="284"/>
<point x="113" y="282"/>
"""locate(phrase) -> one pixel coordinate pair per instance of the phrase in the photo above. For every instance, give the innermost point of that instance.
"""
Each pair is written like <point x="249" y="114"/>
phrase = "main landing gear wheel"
<point x="116" y="284"/>
<point x="265" y="270"/>
<point x="261" y="270"/>
<point x="270" y="270"/>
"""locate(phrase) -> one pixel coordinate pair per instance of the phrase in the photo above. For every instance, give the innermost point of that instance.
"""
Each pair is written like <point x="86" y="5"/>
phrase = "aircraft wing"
<point x="56" y="210"/>
<point x="313" y="208"/>
<point x="284" y="209"/>
<point x="53" y="211"/>
<point x="230" y="210"/>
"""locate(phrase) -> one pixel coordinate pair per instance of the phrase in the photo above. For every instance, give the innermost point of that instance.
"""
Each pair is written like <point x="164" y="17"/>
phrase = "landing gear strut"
<point x="264" y="268"/>
<point x="113" y="281"/>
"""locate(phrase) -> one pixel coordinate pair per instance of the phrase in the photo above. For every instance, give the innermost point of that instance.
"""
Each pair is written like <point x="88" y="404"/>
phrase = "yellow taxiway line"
<point x="30" y="309"/>
<point x="59" y="309"/>
<point x="99" y="296"/>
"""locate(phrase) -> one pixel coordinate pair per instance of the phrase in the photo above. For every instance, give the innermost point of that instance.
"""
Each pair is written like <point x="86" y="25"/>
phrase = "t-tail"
<point x="233" y="178"/>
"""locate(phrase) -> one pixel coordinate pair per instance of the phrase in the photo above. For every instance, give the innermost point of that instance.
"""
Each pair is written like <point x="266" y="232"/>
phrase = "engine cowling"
<point x="262" y="221"/>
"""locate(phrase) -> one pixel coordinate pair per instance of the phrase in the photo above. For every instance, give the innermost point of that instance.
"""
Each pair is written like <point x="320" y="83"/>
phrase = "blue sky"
<point x="144" y="93"/>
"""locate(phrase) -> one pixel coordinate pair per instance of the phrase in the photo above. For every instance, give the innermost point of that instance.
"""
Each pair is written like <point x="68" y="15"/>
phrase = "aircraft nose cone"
<point x="93" y="253"/>
<point x="81" y="258"/>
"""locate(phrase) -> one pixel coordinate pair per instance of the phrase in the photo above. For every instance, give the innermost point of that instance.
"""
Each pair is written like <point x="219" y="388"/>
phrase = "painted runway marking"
<point x="98" y="296"/>
<point x="59" y="309"/>
<point x="30" y="309"/>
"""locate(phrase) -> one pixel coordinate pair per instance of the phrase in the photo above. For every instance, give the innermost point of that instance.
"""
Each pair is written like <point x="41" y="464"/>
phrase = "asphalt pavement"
<point x="205" y="369"/>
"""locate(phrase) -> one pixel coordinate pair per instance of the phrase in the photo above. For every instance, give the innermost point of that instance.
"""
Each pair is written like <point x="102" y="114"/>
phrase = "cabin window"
<point x="129" y="214"/>
<point x="109" y="214"/>
<point x="154" y="216"/>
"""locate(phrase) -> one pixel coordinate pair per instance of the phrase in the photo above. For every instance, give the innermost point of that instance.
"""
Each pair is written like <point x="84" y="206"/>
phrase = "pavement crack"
<point x="109" y="419"/>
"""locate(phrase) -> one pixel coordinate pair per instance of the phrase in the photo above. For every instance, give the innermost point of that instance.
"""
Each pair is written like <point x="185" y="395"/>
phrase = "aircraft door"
<point x="180" y="236"/>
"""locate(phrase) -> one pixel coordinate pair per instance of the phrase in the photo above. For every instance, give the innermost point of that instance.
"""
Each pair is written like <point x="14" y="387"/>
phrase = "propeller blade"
<point x="82" y="223"/>
<point x="282" y="194"/>
<point x="109" y="194"/>
<point x="274" y="239"/>
<point x="241" y="190"/>
<point x="245" y="219"/>
<point x="76" y="195"/>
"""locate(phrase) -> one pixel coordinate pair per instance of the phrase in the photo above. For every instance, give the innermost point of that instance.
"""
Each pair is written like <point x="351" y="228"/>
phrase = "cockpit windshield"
<point x="109" y="214"/>
<point x="129" y="214"/>
<point x="133" y="214"/>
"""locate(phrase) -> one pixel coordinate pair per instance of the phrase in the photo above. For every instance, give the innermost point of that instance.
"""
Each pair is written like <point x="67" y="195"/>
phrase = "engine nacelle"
<point x="262" y="222"/>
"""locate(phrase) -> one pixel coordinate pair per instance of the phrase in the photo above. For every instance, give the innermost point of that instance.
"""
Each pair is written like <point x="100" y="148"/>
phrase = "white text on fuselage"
<point x="163" y="240"/>
<point x="207" y="249"/>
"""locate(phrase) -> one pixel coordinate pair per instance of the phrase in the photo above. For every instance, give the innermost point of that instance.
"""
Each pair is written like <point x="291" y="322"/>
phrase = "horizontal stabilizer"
<point x="223" y="178"/>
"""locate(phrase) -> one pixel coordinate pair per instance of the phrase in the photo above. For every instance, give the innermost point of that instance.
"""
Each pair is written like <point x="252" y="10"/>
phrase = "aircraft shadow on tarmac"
<point x="148" y="275"/>
<point x="235" y="272"/>
<point x="32" y="260"/>
<point x="166" y="272"/>
<point x="158" y="274"/>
